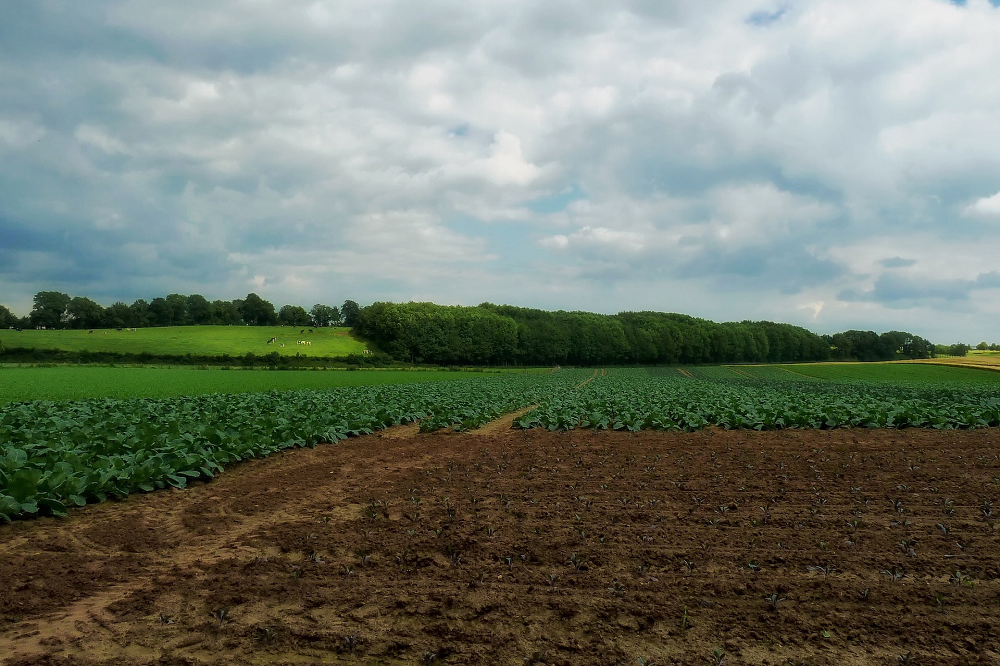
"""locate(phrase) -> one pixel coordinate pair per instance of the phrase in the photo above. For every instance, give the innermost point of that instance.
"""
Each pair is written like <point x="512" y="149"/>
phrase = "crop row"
<point x="637" y="400"/>
<point x="54" y="454"/>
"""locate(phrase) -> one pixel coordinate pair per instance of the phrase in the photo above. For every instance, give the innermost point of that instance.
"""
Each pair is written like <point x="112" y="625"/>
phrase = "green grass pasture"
<point x="79" y="382"/>
<point x="195" y="340"/>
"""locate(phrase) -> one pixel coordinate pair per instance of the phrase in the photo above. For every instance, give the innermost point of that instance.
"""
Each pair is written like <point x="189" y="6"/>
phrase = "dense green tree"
<point x="428" y="333"/>
<point x="117" y="316"/>
<point x="226" y="313"/>
<point x="49" y="309"/>
<point x="324" y="315"/>
<point x="349" y="313"/>
<point x="959" y="349"/>
<point x="199" y="310"/>
<point x="257" y="312"/>
<point x="81" y="312"/>
<point x="139" y="313"/>
<point x="177" y="306"/>
<point x="982" y="346"/>
<point x="7" y="318"/>
<point x="159" y="312"/>
<point x="293" y="315"/>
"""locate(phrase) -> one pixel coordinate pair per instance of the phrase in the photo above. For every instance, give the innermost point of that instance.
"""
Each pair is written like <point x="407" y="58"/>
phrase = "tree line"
<point x="502" y="334"/>
<point x="490" y="334"/>
<point x="56" y="310"/>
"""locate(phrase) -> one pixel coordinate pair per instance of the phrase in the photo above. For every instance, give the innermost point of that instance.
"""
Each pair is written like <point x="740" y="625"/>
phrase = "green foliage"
<point x="492" y="334"/>
<point x="195" y="340"/>
<point x="57" y="454"/>
<point x="665" y="399"/>
<point x="77" y="382"/>
<point x="49" y="309"/>
<point x="257" y="312"/>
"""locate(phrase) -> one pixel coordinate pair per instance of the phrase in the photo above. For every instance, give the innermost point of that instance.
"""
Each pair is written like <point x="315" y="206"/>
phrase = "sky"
<point x="829" y="163"/>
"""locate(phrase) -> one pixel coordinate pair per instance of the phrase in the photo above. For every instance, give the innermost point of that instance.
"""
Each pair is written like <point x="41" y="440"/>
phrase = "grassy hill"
<point x="196" y="340"/>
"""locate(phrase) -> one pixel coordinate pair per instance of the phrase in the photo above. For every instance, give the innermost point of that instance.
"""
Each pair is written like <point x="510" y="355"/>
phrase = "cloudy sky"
<point x="830" y="163"/>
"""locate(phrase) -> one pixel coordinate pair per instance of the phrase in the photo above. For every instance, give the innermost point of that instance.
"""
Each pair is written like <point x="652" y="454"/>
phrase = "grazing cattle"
<point x="310" y="330"/>
<point x="282" y="344"/>
<point x="89" y="332"/>
<point x="302" y="331"/>
<point x="272" y="340"/>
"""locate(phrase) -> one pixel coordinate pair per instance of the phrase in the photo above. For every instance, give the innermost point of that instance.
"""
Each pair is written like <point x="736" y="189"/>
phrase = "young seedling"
<point x="718" y="657"/>
<point x="221" y="614"/>
<point x="825" y="570"/>
<point x="352" y="641"/>
<point x="773" y="600"/>
<point x="894" y="575"/>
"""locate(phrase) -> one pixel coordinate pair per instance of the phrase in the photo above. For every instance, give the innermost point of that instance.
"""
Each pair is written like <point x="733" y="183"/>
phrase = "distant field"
<point x="892" y="372"/>
<point x="79" y="382"/>
<point x="196" y="340"/>
<point x="976" y="358"/>
<point x="850" y="372"/>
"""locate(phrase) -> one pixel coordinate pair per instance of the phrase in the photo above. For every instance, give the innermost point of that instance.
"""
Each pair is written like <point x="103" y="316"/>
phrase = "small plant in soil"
<point x="773" y="600"/>
<point x="221" y="614"/>
<point x="718" y="657"/>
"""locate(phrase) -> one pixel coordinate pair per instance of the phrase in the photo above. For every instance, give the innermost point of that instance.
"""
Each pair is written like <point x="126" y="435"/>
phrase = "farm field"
<point x="581" y="547"/>
<point x="733" y="514"/>
<point x="77" y="382"/>
<point x="975" y="359"/>
<point x="195" y="340"/>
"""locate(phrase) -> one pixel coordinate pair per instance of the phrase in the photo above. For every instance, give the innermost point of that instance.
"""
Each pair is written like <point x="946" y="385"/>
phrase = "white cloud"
<point x="985" y="207"/>
<point x="752" y="166"/>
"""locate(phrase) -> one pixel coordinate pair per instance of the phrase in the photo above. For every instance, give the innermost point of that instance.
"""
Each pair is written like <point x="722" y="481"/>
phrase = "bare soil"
<point x="794" y="547"/>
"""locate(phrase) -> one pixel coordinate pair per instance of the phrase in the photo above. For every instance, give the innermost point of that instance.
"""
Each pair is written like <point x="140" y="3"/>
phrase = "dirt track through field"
<point x="555" y="548"/>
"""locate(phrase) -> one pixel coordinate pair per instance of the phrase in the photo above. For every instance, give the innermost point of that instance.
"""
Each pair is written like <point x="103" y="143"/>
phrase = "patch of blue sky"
<point x="557" y="203"/>
<point x="512" y="241"/>
<point x="766" y="18"/>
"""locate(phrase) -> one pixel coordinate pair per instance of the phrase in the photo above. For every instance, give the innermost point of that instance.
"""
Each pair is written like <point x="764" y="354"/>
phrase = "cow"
<point x="272" y="340"/>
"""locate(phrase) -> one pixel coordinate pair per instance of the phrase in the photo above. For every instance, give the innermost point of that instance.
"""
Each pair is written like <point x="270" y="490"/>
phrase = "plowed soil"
<point x="824" y="547"/>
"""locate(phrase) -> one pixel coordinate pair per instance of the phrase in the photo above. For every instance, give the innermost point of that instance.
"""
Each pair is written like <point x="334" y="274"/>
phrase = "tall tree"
<point x="177" y="305"/>
<point x="199" y="310"/>
<point x="159" y="312"/>
<point x="49" y="309"/>
<point x="226" y="312"/>
<point x="139" y="313"/>
<point x="257" y="312"/>
<point x="81" y="312"/>
<point x="7" y="318"/>
<point x="349" y="313"/>
<point x="293" y="315"/>
<point x="117" y="316"/>
<point x="324" y="315"/>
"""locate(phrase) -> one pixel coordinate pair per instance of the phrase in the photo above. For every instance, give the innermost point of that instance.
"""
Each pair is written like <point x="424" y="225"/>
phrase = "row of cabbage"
<point x="637" y="400"/>
<point x="54" y="454"/>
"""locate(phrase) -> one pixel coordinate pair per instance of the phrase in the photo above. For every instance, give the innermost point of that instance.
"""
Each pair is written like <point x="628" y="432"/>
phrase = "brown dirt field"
<point x="532" y="547"/>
